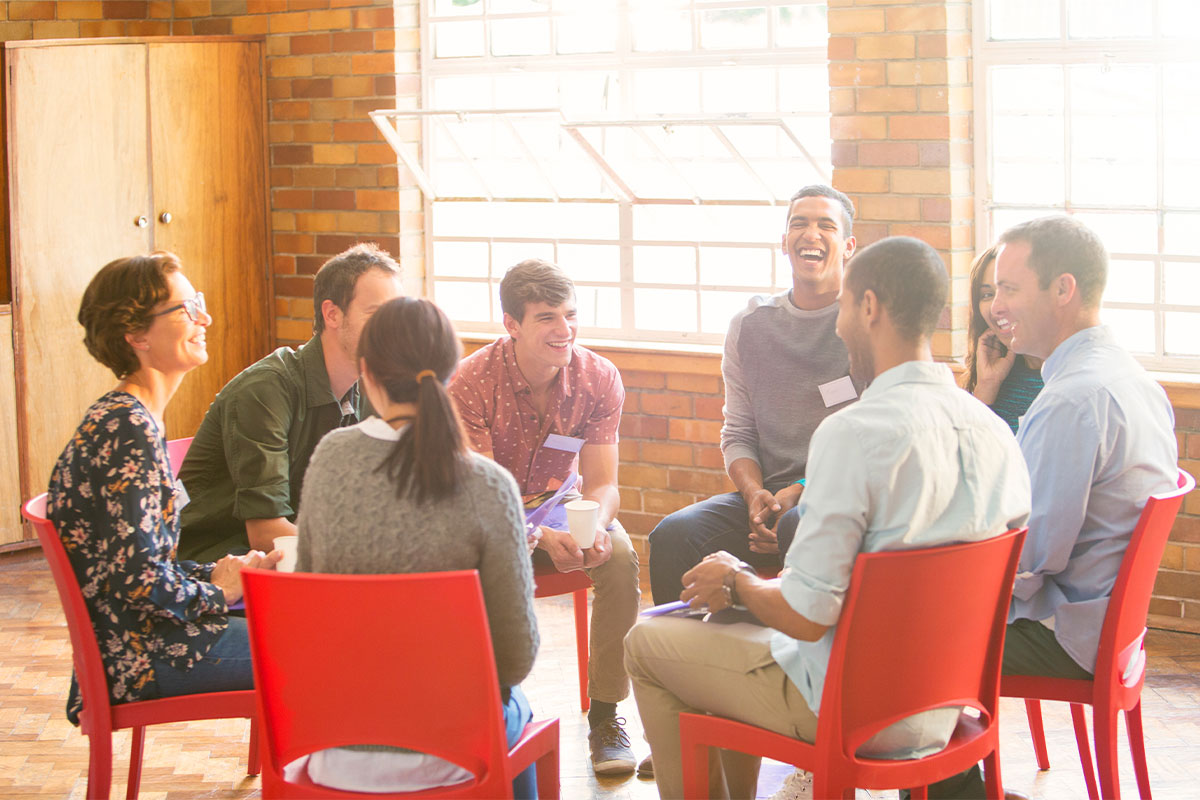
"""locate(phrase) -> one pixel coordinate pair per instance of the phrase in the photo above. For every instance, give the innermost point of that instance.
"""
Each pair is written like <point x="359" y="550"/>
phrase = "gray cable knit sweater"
<point x="351" y="521"/>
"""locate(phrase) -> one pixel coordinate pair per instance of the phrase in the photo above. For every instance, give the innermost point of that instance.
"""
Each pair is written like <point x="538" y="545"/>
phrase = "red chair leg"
<point x="1033" y="711"/>
<point x="993" y="783"/>
<point x="1105" y="726"/>
<point x="1085" y="750"/>
<point x="137" y="744"/>
<point x="919" y="793"/>
<point x="99" y="765"/>
<point x="1137" y="749"/>
<point x="694" y="760"/>
<point x="254" y="758"/>
<point x="548" y="786"/>
<point x="581" y="645"/>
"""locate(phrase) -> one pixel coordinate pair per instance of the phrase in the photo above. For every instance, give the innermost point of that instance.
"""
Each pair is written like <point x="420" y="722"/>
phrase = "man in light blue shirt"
<point x="916" y="462"/>
<point x="1099" y="440"/>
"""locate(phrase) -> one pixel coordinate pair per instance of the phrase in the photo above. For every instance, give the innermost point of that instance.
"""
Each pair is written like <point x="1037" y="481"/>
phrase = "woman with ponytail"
<point x="399" y="492"/>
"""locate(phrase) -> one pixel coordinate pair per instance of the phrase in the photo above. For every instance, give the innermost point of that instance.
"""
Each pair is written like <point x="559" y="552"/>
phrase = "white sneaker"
<point x="797" y="786"/>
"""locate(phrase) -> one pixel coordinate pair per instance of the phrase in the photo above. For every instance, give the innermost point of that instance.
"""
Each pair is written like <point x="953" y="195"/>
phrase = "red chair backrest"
<point x="85" y="650"/>
<point x="920" y="629"/>
<point x="401" y="660"/>
<point x="176" y="451"/>
<point x="1125" y="620"/>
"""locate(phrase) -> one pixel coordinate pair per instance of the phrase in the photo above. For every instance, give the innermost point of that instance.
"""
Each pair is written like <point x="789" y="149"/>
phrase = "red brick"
<point x="373" y="64"/>
<point x="72" y="9"/>
<point x="181" y="27"/>
<point x="192" y="8"/>
<point x="627" y="450"/>
<point x="291" y="198"/>
<point x="316" y="176"/>
<point x="664" y="502"/>
<point x="34" y="10"/>
<point x="374" y="18"/>
<point x="375" y="154"/>
<point x="312" y="87"/>
<point x="631" y="499"/>
<point x="108" y="27"/>
<point x="291" y="154"/>
<point x="845" y="154"/>
<point x="630" y="403"/>
<point x="888" y="154"/>
<point x="1165" y="607"/>
<point x="308" y="265"/>
<point x="289" y="23"/>
<point x="1187" y="419"/>
<point x="219" y="26"/>
<point x="113" y="9"/>
<point x="1177" y="584"/>
<point x="642" y="427"/>
<point x="293" y="243"/>
<point x="667" y="453"/>
<point x="281" y="176"/>
<point x="1193" y="445"/>
<point x="377" y="200"/>
<point x="385" y="86"/>
<point x="279" y="89"/>
<point x="710" y="457"/>
<point x="283" y="264"/>
<point x="642" y="477"/>
<point x="705" y="483"/>
<point x="710" y="408"/>
<point x="935" y="209"/>
<point x="934" y="154"/>
<point x="639" y="524"/>
<point x="333" y="199"/>
<point x="668" y="405"/>
<point x="635" y="379"/>
<point x="359" y="86"/>
<point x="290" y="110"/>
<point x="694" y="430"/>
<point x="148" y="27"/>
<point x="353" y="41"/>
<point x="357" y="177"/>
<point x="355" y="132"/>
<point x="312" y="131"/>
<point x="701" y="384"/>
<point x="289" y="286"/>
<point x="313" y="43"/>
<point x="333" y="243"/>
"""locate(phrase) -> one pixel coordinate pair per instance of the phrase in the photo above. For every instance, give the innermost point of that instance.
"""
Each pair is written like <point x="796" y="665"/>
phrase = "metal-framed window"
<point x="1089" y="107"/>
<point x="649" y="147"/>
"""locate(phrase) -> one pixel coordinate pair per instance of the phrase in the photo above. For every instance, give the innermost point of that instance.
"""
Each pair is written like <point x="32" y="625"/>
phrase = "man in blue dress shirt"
<point x="1099" y="440"/>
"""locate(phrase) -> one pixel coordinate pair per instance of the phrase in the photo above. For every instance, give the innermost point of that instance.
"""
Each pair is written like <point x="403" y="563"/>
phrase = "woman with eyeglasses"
<point x="162" y="624"/>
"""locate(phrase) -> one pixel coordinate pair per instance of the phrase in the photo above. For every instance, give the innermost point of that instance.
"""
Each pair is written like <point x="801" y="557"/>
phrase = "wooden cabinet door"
<point x="206" y="136"/>
<point x="78" y="179"/>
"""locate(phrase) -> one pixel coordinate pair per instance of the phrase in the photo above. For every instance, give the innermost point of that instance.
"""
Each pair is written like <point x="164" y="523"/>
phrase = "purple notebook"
<point x="550" y="513"/>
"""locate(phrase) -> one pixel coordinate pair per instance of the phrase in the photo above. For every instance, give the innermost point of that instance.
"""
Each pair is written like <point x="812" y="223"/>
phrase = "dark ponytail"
<point x="411" y="350"/>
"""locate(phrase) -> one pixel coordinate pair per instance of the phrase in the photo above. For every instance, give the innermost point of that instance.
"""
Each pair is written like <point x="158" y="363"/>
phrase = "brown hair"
<point x="338" y="276"/>
<point x="909" y="279"/>
<point x="120" y="300"/>
<point x="1060" y="244"/>
<point x="533" y="281"/>
<point x="411" y="350"/>
<point x="976" y="324"/>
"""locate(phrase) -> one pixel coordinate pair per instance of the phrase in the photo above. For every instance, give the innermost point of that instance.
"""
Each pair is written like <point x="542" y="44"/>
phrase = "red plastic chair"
<point x="100" y="717"/>
<point x="401" y="660"/>
<point x="549" y="582"/>
<point x="1120" y="661"/>
<point x="176" y="450"/>
<point x="920" y="629"/>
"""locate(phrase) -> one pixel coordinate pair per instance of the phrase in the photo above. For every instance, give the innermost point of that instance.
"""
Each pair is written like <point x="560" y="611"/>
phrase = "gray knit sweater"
<point x="352" y="521"/>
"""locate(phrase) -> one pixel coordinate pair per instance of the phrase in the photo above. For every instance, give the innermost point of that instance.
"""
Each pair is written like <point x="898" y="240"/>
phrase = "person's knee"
<point x="635" y="641"/>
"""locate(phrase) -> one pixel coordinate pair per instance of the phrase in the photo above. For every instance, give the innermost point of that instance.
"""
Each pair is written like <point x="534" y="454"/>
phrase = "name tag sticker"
<point x="838" y="391"/>
<point x="568" y="443"/>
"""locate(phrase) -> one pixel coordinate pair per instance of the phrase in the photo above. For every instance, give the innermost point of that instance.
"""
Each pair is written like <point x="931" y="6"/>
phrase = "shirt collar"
<point x="910" y="372"/>
<point x="1067" y="348"/>
<point x="317" y="391"/>
<point x="508" y="349"/>
<point x="376" y="428"/>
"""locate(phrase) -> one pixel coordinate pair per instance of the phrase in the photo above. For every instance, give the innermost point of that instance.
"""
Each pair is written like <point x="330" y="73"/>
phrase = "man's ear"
<point x="511" y="326"/>
<point x="331" y="314"/>
<point x="851" y="244"/>
<point x="1065" y="288"/>
<point x="872" y="309"/>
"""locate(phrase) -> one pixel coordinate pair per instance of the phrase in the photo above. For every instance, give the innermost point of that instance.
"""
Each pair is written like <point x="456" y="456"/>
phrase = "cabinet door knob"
<point x="165" y="217"/>
<point x="141" y="221"/>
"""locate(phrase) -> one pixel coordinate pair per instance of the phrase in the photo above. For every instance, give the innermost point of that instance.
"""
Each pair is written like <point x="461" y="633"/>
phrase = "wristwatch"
<point x="730" y="581"/>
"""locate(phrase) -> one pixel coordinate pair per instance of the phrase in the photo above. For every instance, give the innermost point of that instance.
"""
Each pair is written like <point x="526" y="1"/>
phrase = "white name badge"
<point x="568" y="443"/>
<point x="838" y="391"/>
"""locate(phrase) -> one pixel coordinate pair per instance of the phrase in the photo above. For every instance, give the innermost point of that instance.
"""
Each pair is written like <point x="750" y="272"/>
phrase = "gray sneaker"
<point x="610" y="748"/>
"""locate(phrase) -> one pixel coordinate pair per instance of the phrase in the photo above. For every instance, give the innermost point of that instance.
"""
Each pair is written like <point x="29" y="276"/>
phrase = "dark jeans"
<point x="1029" y="649"/>
<point x="683" y="538"/>
<point x="226" y="667"/>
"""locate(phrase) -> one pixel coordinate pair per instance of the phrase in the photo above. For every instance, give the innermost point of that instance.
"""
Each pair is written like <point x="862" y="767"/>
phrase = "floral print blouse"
<point x="114" y="503"/>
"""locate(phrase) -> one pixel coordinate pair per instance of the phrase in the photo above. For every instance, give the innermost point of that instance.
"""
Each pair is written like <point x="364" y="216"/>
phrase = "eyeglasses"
<point x="194" y="308"/>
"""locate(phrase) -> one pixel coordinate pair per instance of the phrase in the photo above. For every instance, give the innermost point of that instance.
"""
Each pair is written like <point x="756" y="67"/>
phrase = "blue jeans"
<point x="516" y="716"/>
<point x="226" y="667"/>
<point x="682" y="539"/>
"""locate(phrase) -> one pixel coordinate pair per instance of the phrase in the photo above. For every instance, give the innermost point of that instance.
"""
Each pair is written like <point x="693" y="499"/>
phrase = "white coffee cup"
<point x="290" y="545"/>
<point x="582" y="517"/>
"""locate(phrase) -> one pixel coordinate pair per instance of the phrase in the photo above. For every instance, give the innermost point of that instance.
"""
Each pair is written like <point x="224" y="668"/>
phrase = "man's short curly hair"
<point x="120" y="300"/>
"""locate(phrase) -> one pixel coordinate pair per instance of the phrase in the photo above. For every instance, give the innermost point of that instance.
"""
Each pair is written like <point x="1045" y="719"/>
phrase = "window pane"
<point x="666" y="92"/>
<point x="584" y="220"/>
<point x="596" y="33"/>
<point x="591" y="262"/>
<point x="599" y="307"/>
<point x="1130" y="282"/>
<point x="664" y="265"/>
<point x="520" y="37"/>
<point x="734" y="29"/>
<point x="1179" y="18"/>
<point x="516" y="6"/>
<point x="451" y="8"/>
<point x="462" y="219"/>
<point x="1107" y="19"/>
<point x="1113" y="148"/>
<point x="1023" y="19"/>
<point x="1182" y="234"/>
<point x="1016" y="182"/>
<point x="718" y="308"/>
<point x="461" y="259"/>
<point x="1181" y="131"/>
<point x="738" y="91"/>
<point x="735" y="266"/>
<point x="801" y="26"/>
<point x="665" y="310"/>
<point x="661" y="30"/>
<point x="1182" y="333"/>
<point x="1134" y="232"/>
<point x="462" y="91"/>
<point x="1182" y="282"/>
<point x="466" y="302"/>
<point x="1133" y="329"/>
<point x="1005" y="218"/>
<point x="457" y="39"/>
<point x="509" y="254"/>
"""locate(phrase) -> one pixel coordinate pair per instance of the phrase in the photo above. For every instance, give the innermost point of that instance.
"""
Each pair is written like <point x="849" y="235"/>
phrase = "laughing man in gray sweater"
<point x="785" y="370"/>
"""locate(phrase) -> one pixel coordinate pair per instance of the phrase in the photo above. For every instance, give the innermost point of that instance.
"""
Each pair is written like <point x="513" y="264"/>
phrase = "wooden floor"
<point x="42" y="755"/>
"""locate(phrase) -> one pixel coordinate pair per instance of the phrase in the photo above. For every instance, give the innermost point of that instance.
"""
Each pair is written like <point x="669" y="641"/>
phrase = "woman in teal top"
<point x="995" y="374"/>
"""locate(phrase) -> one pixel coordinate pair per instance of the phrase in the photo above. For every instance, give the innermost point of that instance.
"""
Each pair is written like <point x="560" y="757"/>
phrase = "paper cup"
<point x="290" y="546"/>
<point x="582" y="516"/>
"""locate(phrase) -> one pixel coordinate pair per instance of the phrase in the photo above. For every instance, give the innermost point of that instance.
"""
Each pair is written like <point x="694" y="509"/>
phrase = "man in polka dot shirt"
<point x="541" y="406"/>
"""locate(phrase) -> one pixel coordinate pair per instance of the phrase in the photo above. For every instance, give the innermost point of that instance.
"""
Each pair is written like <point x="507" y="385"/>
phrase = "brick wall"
<point x="1176" y="601"/>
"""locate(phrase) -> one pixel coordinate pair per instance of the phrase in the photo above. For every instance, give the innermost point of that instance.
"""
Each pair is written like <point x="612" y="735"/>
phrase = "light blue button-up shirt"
<point x="1099" y="440"/>
<point x="916" y="462"/>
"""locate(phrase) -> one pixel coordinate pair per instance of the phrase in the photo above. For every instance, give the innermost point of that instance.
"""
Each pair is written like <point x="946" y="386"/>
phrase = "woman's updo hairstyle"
<point x="411" y="350"/>
<point x="119" y="300"/>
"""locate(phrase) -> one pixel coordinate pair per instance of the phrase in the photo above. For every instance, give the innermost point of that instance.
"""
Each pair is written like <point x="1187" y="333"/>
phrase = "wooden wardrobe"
<point x="114" y="148"/>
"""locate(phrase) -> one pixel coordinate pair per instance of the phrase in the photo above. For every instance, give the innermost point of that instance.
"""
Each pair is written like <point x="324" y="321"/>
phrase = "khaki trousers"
<point x="616" y="595"/>
<point x="683" y="665"/>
